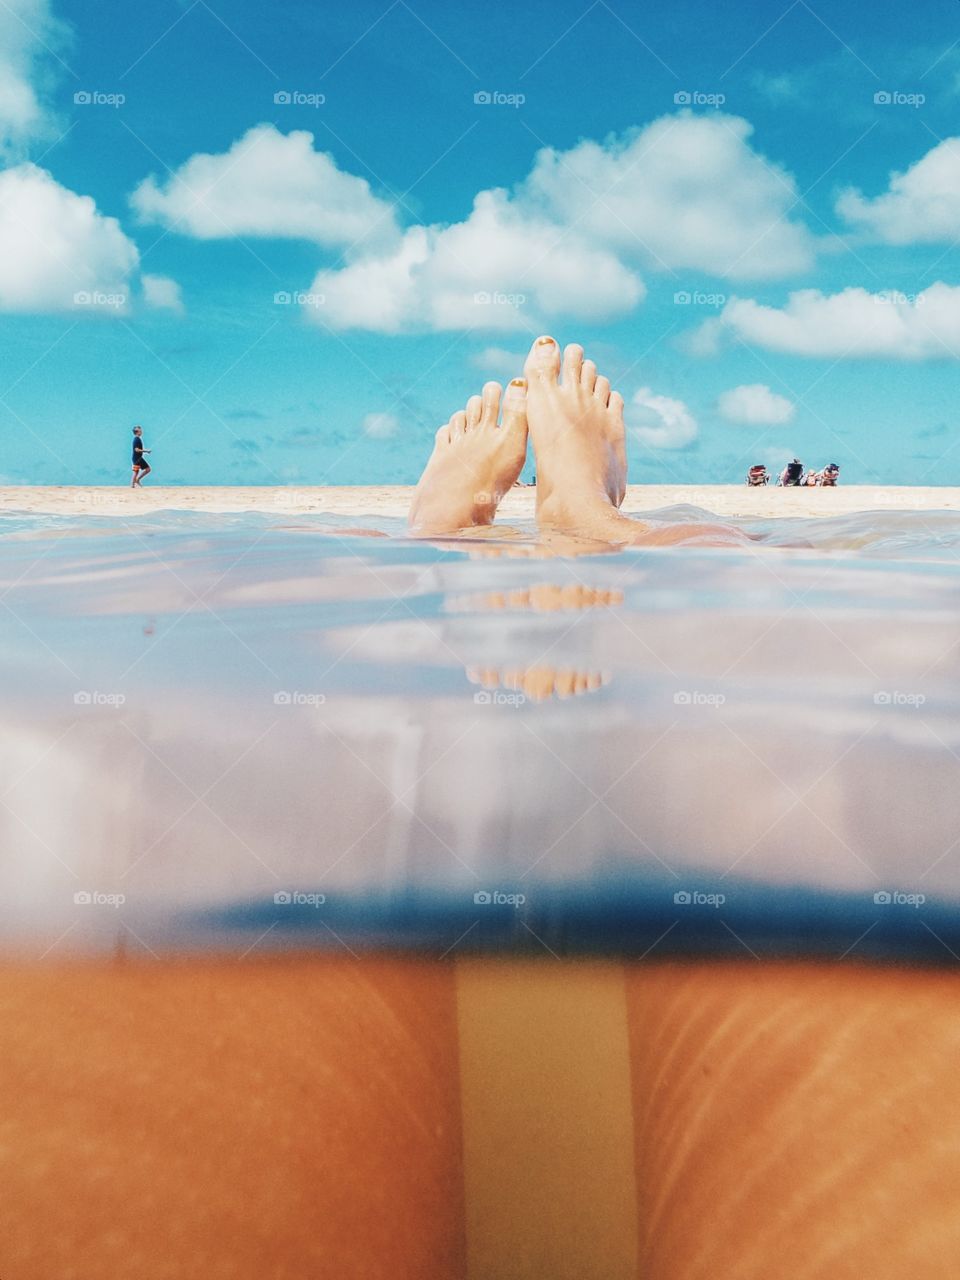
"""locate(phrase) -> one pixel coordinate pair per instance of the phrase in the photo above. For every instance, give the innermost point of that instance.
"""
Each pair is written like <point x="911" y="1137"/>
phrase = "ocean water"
<point x="269" y="732"/>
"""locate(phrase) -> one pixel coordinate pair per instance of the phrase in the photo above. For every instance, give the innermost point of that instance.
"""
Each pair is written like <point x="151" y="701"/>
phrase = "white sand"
<point x="393" y="500"/>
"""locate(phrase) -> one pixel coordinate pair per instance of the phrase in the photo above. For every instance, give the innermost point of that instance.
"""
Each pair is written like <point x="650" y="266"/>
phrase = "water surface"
<point x="264" y="731"/>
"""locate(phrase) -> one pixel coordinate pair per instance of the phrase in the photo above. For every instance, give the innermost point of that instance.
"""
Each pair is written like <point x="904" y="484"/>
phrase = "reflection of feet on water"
<point x="539" y="681"/>
<point x="542" y="598"/>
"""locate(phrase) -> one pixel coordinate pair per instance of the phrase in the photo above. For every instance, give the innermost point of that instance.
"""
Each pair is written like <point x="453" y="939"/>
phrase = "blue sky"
<point x="748" y="217"/>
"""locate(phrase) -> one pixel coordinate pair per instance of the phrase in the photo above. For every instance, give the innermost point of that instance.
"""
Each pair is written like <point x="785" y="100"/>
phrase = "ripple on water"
<point x="204" y="711"/>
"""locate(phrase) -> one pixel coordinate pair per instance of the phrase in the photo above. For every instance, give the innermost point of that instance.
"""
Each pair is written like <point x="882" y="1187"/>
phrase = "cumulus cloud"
<point x="661" y="423"/>
<point x="162" y="293"/>
<point x="26" y="26"/>
<point x="755" y="405"/>
<point x="686" y="191"/>
<point x="853" y="323"/>
<point x="58" y="249"/>
<point x="499" y="270"/>
<point x="380" y="426"/>
<point x="920" y="206"/>
<point x="267" y="184"/>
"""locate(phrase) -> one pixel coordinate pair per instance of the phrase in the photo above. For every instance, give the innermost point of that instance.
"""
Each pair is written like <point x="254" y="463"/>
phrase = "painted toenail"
<point x="543" y="342"/>
<point x="518" y="382"/>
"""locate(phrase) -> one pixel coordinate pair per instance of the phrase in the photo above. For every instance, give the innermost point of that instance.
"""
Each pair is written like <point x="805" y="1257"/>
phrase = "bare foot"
<point x="577" y="431"/>
<point x="576" y="425"/>
<point x="474" y="462"/>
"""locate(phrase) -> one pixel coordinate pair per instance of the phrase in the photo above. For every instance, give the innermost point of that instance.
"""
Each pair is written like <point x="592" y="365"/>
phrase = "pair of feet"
<point x="575" y="423"/>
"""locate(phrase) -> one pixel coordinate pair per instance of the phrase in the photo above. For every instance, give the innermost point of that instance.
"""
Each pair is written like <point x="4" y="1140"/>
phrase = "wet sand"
<point x="392" y="501"/>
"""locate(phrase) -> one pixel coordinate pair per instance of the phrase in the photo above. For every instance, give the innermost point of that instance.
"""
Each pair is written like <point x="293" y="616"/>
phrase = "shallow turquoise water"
<point x="214" y="722"/>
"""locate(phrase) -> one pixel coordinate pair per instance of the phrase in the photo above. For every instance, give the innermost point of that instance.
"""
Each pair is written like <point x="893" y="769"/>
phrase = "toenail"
<point x="543" y="342"/>
<point x="518" y="382"/>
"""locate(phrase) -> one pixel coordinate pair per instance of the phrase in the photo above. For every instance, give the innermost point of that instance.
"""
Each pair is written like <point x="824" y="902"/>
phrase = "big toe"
<point x="543" y="362"/>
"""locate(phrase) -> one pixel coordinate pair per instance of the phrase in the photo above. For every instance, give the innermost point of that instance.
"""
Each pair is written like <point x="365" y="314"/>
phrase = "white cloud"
<point x="56" y="245"/>
<point x="498" y="270"/>
<point x="267" y="184"/>
<point x="687" y="191"/>
<point x="853" y="323"/>
<point x="920" y="206"/>
<point x="755" y="405"/>
<point x="26" y="26"/>
<point x="162" y="292"/>
<point x="662" y="423"/>
<point x="380" y="426"/>
<point x="498" y="362"/>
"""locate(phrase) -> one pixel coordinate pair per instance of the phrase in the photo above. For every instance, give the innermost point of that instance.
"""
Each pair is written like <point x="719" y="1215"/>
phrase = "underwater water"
<point x="271" y="731"/>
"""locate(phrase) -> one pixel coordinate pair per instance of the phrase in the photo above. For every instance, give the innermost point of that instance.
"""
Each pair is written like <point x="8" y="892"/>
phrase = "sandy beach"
<point x="386" y="501"/>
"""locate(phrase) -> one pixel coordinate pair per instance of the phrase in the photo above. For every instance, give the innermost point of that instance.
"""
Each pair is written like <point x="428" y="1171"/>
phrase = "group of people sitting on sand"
<point x="793" y="475"/>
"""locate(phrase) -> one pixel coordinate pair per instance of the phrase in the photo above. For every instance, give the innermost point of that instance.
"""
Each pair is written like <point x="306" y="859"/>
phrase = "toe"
<point x="572" y="363"/>
<point x="474" y="405"/>
<point x="543" y="362"/>
<point x="458" y="424"/>
<point x="616" y="403"/>
<point x="602" y="389"/>
<point x="491" y="404"/>
<point x="563" y="683"/>
<point x="443" y="434"/>
<point x="515" y="404"/>
<point x="588" y="375"/>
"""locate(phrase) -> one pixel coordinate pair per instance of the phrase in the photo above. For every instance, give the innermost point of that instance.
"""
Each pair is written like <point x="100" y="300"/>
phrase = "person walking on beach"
<point x="141" y="467"/>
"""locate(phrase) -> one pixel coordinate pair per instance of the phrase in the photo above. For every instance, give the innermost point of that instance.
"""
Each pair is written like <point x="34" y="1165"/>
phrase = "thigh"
<point x="285" y="1118"/>
<point x="795" y="1120"/>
